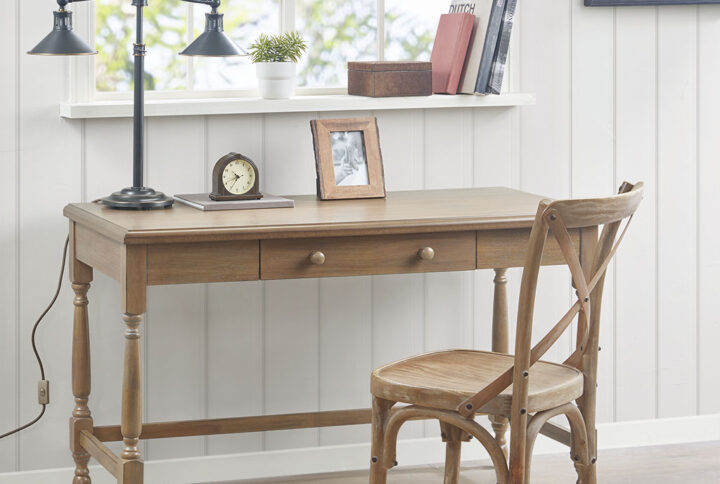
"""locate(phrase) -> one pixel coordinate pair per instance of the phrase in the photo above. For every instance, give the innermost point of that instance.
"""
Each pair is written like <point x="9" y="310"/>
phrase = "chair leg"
<point x="380" y="415"/>
<point x="453" y="437"/>
<point x="578" y="445"/>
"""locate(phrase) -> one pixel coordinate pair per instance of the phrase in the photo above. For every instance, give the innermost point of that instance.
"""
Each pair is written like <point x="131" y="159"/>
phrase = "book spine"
<point x="491" y="39"/>
<point x="460" y="55"/>
<point x="500" y="61"/>
<point x="192" y="204"/>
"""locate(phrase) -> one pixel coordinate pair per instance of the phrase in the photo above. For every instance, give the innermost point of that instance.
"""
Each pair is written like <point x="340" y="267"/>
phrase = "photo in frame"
<point x="348" y="158"/>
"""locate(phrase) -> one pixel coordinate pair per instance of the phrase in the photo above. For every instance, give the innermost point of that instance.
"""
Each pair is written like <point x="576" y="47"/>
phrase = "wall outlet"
<point x="44" y="392"/>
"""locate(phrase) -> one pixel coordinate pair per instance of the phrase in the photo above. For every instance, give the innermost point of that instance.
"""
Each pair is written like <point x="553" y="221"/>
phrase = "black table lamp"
<point x="212" y="43"/>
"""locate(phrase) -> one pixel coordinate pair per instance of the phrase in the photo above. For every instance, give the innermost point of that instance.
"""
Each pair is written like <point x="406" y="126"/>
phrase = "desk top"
<point x="401" y="212"/>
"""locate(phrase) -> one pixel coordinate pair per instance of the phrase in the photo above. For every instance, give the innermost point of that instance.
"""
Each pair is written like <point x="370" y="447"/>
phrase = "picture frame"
<point x="630" y="3"/>
<point x="348" y="158"/>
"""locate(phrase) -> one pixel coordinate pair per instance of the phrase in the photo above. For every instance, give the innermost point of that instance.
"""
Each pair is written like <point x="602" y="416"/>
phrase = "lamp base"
<point x="134" y="198"/>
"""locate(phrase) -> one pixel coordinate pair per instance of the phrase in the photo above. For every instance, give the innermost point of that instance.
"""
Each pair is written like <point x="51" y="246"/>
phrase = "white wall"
<point x="626" y="93"/>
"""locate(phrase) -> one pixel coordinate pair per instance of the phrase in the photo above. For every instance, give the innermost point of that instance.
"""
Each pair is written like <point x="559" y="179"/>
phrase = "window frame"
<point x="82" y="87"/>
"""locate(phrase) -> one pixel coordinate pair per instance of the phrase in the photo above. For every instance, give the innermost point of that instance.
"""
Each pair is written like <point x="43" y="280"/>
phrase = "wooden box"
<point x="389" y="79"/>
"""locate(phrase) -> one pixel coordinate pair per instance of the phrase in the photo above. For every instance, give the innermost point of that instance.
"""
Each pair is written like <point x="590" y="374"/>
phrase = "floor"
<point x="671" y="464"/>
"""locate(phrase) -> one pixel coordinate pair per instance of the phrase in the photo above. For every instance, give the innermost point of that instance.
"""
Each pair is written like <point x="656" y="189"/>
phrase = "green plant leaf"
<point x="286" y="47"/>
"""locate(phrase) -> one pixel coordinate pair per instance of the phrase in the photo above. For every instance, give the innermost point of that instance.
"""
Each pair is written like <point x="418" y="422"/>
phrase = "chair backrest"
<point x="588" y="267"/>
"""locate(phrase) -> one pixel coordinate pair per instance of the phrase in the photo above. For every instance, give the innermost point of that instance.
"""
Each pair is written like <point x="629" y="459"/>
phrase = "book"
<point x="490" y="46"/>
<point x="202" y="201"/>
<point x="500" y="61"/>
<point x="481" y="9"/>
<point x="449" y="50"/>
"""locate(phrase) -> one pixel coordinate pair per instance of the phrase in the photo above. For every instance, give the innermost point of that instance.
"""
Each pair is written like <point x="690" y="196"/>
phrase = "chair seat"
<point x="445" y="379"/>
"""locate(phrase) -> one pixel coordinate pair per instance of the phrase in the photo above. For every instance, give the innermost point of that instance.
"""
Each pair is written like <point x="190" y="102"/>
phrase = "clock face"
<point x="238" y="177"/>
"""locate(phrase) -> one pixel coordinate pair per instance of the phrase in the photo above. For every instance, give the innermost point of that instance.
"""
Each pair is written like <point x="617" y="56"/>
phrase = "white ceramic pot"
<point x="276" y="80"/>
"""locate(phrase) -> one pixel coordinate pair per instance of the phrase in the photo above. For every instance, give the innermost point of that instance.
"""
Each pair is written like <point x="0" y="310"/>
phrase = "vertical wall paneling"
<point x="448" y="156"/>
<point x="291" y="357"/>
<point x="175" y="326"/>
<point x="345" y="352"/>
<point x="592" y="171"/>
<point x="176" y="381"/>
<point x="677" y="211"/>
<point x="345" y="344"/>
<point x="235" y="311"/>
<point x="398" y="325"/>
<point x="289" y="158"/>
<point x="635" y="269"/>
<point x="401" y="141"/>
<point x="545" y="130"/>
<point x="448" y="296"/>
<point x="708" y="208"/>
<point x="448" y="163"/>
<point x="397" y="300"/>
<point x="495" y="163"/>
<point x="9" y="157"/>
<point x="108" y="150"/>
<point x="291" y="307"/>
<point x="49" y="176"/>
<point x="235" y="360"/>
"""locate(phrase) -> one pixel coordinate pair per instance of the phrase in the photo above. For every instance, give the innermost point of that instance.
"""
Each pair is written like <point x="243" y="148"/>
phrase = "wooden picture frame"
<point x="348" y="158"/>
<point x="629" y="3"/>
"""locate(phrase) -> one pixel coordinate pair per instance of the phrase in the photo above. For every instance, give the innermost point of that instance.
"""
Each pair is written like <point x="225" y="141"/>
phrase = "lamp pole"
<point x="138" y="197"/>
<point x="213" y="42"/>
<point x="139" y="94"/>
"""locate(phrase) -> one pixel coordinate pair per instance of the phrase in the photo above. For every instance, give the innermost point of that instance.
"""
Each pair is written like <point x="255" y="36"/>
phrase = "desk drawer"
<point x="203" y="262"/>
<point x="497" y="249"/>
<point x="359" y="256"/>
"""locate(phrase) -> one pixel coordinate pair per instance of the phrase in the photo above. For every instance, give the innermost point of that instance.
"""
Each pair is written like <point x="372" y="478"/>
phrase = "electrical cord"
<point x="34" y="345"/>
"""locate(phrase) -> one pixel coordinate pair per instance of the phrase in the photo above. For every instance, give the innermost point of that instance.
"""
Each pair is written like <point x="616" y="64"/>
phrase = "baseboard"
<point x="340" y="458"/>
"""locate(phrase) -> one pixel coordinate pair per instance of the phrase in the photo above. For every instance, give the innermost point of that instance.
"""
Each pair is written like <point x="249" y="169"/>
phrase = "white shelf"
<point x="334" y="102"/>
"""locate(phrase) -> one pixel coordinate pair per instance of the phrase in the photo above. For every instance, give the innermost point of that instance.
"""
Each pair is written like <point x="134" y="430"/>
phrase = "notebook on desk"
<point x="202" y="201"/>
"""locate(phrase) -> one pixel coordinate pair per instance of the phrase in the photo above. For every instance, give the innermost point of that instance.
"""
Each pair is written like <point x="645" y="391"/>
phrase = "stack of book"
<point x="471" y="46"/>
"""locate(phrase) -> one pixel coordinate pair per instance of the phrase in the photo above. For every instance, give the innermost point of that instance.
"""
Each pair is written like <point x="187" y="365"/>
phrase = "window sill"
<point x="297" y="104"/>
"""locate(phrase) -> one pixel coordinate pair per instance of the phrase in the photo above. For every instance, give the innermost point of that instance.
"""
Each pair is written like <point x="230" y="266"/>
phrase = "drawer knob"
<point x="426" y="253"/>
<point x="317" y="258"/>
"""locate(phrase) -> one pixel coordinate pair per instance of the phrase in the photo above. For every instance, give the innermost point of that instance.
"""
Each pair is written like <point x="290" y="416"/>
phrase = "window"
<point x="336" y="31"/>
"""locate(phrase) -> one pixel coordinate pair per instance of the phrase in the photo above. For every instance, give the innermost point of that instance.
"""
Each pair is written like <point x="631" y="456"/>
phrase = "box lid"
<point x="381" y="66"/>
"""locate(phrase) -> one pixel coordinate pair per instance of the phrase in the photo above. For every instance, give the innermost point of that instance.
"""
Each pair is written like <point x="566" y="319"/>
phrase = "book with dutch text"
<point x="449" y="50"/>
<point x="481" y="9"/>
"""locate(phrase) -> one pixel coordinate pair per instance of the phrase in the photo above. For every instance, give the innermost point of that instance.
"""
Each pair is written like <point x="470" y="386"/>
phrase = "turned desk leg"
<point x="500" y="344"/>
<point x="81" y="418"/>
<point x="131" y="423"/>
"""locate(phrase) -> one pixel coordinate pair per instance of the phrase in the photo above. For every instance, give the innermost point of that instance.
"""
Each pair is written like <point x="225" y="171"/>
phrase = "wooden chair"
<point x="444" y="385"/>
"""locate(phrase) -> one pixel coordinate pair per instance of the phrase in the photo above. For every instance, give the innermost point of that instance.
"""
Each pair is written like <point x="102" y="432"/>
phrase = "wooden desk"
<point x="418" y="231"/>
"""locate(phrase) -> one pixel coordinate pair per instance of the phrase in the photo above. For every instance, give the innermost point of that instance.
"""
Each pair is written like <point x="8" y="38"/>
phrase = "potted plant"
<point x="275" y="58"/>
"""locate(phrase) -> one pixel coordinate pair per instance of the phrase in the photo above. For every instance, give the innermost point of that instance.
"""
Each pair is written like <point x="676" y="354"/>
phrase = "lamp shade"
<point x="213" y="42"/>
<point x="62" y="40"/>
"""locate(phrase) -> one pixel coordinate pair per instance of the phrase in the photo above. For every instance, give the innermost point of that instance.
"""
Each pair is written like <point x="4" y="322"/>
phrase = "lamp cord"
<point x="34" y="345"/>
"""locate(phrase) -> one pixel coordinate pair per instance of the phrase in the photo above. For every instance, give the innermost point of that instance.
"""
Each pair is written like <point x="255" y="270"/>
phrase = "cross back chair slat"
<point x="552" y="218"/>
<point x="555" y="218"/>
<point x="587" y="268"/>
